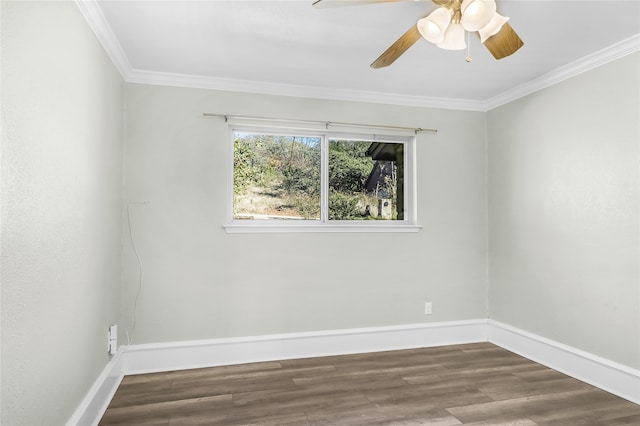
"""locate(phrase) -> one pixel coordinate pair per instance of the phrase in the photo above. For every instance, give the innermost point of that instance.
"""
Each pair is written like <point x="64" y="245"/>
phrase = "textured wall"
<point x="203" y="283"/>
<point x="62" y="124"/>
<point x="563" y="209"/>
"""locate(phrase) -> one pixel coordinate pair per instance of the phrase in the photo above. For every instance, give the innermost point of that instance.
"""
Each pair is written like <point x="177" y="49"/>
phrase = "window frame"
<point x="324" y="224"/>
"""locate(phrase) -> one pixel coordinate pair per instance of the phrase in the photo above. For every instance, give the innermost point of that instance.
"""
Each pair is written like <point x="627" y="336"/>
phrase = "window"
<point x="276" y="177"/>
<point x="307" y="181"/>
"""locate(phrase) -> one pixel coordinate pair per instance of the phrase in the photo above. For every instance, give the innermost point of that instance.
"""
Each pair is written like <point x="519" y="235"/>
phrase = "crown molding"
<point x="587" y="63"/>
<point x="280" y="89"/>
<point x="98" y="23"/>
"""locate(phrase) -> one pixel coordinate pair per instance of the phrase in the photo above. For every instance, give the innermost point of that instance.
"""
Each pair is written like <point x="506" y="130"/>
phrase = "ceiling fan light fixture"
<point x="493" y="27"/>
<point x="434" y="26"/>
<point x="477" y="13"/>
<point x="453" y="38"/>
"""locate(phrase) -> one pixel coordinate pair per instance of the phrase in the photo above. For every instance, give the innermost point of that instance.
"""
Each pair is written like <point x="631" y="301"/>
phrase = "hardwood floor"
<point x="475" y="384"/>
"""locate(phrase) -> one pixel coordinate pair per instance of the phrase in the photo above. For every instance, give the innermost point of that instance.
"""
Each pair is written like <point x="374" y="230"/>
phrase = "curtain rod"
<point x="325" y="123"/>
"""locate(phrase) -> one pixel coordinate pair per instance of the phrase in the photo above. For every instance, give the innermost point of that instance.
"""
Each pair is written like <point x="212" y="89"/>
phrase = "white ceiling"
<point x="289" y="47"/>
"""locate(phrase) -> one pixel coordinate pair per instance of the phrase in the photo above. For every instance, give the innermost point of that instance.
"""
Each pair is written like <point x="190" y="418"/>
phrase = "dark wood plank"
<point x="160" y="412"/>
<point x="476" y="384"/>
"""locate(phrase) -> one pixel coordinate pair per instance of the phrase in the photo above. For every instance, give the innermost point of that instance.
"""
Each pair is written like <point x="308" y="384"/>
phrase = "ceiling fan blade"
<point x="506" y="42"/>
<point x="321" y="4"/>
<point x="401" y="45"/>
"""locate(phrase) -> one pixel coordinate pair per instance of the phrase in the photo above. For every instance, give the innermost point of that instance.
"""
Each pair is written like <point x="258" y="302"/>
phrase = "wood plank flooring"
<point x="475" y="384"/>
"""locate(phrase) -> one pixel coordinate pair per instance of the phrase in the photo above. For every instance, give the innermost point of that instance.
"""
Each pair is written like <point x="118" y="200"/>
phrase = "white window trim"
<point x="409" y="224"/>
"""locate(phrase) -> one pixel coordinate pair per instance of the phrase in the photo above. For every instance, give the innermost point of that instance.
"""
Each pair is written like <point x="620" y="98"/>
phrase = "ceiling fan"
<point x="446" y="27"/>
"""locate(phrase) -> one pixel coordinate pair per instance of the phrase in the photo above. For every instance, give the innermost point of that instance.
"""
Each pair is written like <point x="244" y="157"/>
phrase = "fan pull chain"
<point x="468" y="58"/>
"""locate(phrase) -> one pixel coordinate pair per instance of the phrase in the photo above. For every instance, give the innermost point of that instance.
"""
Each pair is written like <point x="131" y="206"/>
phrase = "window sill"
<point x="315" y="227"/>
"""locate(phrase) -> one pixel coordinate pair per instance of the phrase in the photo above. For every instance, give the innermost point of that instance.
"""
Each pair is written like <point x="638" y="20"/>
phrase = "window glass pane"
<point x="276" y="177"/>
<point x="366" y="180"/>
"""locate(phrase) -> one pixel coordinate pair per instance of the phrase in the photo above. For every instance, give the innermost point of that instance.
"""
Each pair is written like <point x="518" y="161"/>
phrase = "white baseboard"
<point x="207" y="353"/>
<point x="95" y="402"/>
<point x="137" y="359"/>
<point x="610" y="376"/>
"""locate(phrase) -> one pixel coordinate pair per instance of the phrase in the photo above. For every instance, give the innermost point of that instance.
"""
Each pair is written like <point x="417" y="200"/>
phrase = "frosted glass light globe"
<point x="453" y="38"/>
<point x="434" y="26"/>
<point x="493" y="27"/>
<point x="477" y="13"/>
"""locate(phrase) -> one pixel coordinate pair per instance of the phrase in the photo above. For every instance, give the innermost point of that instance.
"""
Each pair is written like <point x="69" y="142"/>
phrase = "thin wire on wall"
<point x="141" y="275"/>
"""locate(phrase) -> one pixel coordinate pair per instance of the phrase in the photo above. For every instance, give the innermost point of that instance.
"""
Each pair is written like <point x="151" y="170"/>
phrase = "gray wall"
<point x="203" y="283"/>
<point x="562" y="203"/>
<point x="563" y="209"/>
<point x="62" y="131"/>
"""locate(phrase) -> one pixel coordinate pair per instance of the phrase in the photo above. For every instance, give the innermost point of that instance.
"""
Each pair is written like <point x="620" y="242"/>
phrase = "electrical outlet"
<point x="112" y="339"/>
<point x="427" y="308"/>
